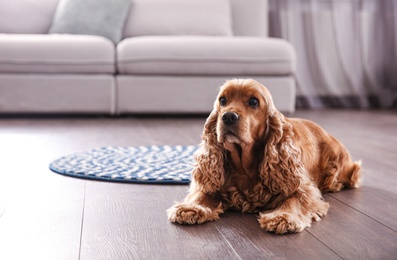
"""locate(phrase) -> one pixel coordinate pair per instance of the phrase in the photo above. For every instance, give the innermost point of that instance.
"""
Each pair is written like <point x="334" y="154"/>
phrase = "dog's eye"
<point x="222" y="101"/>
<point x="253" y="102"/>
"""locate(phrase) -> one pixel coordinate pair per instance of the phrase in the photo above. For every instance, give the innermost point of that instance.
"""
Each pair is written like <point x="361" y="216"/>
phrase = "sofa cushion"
<point x="56" y="54"/>
<point x="189" y="55"/>
<point x="92" y="17"/>
<point x="179" y="17"/>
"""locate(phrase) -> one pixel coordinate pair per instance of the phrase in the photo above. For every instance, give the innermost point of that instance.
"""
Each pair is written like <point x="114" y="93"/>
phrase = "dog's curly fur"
<point x="262" y="161"/>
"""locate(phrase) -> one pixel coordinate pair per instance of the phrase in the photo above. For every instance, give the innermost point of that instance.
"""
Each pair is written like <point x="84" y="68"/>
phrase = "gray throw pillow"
<point x="93" y="17"/>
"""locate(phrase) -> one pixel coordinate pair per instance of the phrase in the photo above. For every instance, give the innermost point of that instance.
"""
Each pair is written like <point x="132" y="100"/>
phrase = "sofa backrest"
<point x="197" y="17"/>
<point x="26" y="16"/>
<point x="249" y="17"/>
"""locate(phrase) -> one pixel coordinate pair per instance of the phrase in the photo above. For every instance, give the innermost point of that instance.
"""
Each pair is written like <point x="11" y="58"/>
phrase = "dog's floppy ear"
<point x="281" y="170"/>
<point x="209" y="172"/>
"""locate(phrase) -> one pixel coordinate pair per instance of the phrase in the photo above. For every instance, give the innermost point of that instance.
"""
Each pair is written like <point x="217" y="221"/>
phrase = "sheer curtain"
<point x="346" y="50"/>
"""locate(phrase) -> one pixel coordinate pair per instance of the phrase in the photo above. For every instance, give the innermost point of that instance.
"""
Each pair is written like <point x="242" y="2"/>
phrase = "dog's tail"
<point x="356" y="176"/>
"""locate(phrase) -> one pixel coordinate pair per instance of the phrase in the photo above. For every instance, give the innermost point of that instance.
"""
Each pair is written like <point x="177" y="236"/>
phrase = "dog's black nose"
<point x="229" y="118"/>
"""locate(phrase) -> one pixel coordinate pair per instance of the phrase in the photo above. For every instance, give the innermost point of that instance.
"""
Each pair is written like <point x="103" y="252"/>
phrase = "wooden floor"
<point x="47" y="216"/>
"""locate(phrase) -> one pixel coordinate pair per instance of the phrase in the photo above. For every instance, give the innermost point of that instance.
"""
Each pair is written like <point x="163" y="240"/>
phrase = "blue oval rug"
<point x="142" y="164"/>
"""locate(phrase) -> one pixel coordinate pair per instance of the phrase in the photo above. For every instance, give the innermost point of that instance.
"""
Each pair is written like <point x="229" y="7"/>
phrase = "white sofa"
<point x="150" y="71"/>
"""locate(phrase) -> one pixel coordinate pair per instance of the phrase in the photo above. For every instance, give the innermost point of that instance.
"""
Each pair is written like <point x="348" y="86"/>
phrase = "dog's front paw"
<point x="281" y="222"/>
<point x="318" y="215"/>
<point x="191" y="214"/>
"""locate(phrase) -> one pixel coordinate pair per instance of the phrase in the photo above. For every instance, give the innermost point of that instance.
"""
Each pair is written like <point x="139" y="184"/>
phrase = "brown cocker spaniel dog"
<point x="254" y="159"/>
